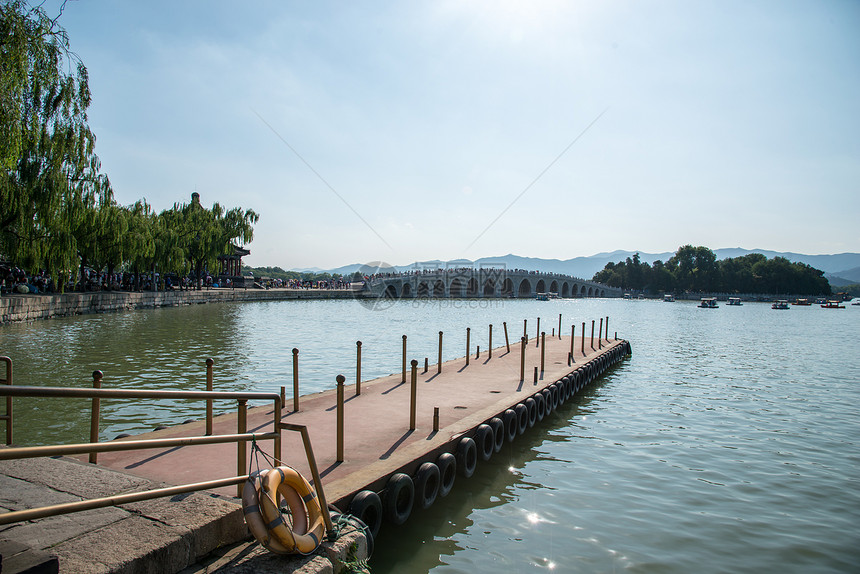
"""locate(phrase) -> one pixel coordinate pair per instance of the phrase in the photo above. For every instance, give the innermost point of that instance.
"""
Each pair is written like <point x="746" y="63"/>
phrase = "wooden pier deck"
<point x="377" y="439"/>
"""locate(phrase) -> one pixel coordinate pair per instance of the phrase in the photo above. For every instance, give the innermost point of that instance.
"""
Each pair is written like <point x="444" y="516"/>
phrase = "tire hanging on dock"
<point x="531" y="405"/>
<point x="486" y="441"/>
<point x="541" y="405"/>
<point x="498" y="432"/>
<point x="510" y="419"/>
<point x="447" y="464"/>
<point x="522" y="418"/>
<point x="398" y="498"/>
<point x="427" y="484"/>
<point x="467" y="456"/>
<point x="367" y="507"/>
<point x="547" y="398"/>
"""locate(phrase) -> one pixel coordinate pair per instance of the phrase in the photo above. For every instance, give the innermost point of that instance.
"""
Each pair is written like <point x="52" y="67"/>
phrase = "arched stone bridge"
<point x="468" y="282"/>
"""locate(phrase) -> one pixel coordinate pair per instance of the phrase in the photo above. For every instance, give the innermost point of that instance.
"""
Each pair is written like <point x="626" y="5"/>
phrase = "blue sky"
<point x="423" y="130"/>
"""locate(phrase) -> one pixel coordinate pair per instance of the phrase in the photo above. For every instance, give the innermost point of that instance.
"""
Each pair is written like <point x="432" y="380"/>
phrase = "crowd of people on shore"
<point x="14" y="280"/>
<point x="333" y="283"/>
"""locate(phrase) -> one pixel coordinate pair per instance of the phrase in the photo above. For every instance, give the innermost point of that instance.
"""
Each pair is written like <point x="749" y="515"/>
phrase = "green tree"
<point x="50" y="170"/>
<point x="140" y="239"/>
<point x="204" y="234"/>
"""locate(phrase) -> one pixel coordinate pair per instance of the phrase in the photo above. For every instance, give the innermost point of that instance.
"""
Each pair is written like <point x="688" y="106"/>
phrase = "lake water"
<point x="728" y="442"/>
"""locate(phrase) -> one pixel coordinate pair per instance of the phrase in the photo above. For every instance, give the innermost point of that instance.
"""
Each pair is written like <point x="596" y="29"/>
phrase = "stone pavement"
<point x="167" y="535"/>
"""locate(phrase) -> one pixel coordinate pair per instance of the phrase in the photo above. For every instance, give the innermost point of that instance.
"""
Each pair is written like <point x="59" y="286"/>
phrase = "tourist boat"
<point x="735" y="301"/>
<point x="668" y="298"/>
<point x="803" y="302"/>
<point x="542" y="297"/>
<point x="782" y="304"/>
<point x="833" y="305"/>
<point x="709" y="303"/>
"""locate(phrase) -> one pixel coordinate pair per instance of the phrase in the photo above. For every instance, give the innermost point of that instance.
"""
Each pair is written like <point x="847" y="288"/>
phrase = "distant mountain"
<point x="846" y="277"/>
<point x="844" y="265"/>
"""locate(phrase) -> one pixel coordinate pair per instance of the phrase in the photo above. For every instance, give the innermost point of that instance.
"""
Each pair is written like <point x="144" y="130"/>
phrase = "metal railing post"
<point x="312" y="463"/>
<point x="490" y="346"/>
<point x="340" y="381"/>
<point x="403" y="380"/>
<point x="439" y="362"/>
<point x="523" y="343"/>
<point x="583" y="338"/>
<point x="435" y="419"/>
<point x="600" y="335"/>
<point x="542" y="350"/>
<point x="242" y="447"/>
<point x="295" y="379"/>
<point x="468" y="346"/>
<point x="413" y="399"/>
<point x="95" y="414"/>
<point x="209" y="363"/>
<point x="507" y="343"/>
<point x="572" y="337"/>
<point x="278" y="408"/>
<point x="537" y="333"/>
<point x="592" y="334"/>
<point x="559" y="326"/>
<point x="8" y="416"/>
<point x="358" y="367"/>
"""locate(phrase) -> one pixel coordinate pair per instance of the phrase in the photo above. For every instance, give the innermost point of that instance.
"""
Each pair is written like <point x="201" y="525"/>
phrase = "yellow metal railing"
<point x="241" y="437"/>
<point x="8" y="415"/>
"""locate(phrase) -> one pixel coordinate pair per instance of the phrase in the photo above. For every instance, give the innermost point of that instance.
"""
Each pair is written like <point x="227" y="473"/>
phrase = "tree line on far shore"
<point x="58" y="215"/>
<point x="696" y="269"/>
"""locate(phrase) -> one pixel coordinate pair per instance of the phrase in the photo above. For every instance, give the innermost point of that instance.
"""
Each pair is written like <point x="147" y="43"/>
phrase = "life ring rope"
<point x="297" y="529"/>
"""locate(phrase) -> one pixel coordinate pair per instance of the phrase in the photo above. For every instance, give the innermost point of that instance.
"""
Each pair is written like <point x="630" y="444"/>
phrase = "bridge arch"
<point x="423" y="290"/>
<point x="407" y="291"/>
<point x="565" y="290"/>
<point x="540" y="287"/>
<point x="507" y="287"/>
<point x="590" y="291"/>
<point x="583" y="292"/>
<point x="489" y="288"/>
<point x="553" y="287"/>
<point x="391" y="292"/>
<point x="456" y="288"/>
<point x="439" y="288"/>
<point x="472" y="288"/>
<point x="525" y="288"/>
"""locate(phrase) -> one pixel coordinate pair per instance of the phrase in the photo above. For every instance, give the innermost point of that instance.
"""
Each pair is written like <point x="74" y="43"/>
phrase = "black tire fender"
<point x="366" y="506"/>
<point x="398" y="498"/>
<point x="427" y="481"/>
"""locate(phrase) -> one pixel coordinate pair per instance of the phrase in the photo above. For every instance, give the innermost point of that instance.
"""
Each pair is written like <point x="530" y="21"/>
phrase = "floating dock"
<point x="377" y="439"/>
<point x="407" y="438"/>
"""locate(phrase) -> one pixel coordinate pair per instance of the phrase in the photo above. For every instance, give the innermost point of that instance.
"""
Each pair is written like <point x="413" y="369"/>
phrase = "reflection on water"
<point x="727" y="442"/>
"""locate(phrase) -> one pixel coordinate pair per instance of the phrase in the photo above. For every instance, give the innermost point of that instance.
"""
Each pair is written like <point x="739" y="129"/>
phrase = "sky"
<point x="409" y="131"/>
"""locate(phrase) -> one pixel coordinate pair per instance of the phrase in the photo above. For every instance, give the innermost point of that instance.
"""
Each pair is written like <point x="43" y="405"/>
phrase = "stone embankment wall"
<point x="32" y="307"/>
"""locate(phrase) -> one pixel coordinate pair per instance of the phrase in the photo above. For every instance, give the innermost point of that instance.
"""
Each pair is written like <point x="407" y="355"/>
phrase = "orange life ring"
<point x="253" y="517"/>
<point x="307" y="529"/>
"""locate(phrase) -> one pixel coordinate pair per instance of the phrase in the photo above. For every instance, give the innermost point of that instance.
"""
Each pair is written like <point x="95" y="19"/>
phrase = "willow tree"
<point x="50" y="171"/>
<point x="204" y="234"/>
<point x="140" y="239"/>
